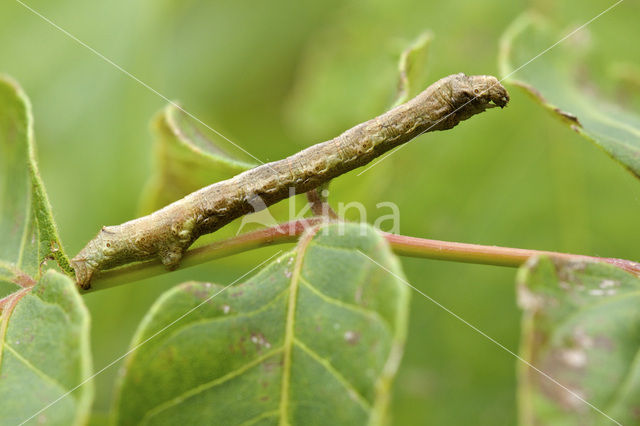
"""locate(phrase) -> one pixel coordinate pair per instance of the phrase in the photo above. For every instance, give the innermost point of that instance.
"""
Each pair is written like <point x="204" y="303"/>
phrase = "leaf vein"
<point x="604" y="118"/>
<point x="7" y="309"/>
<point x="257" y="418"/>
<point x="177" y="330"/>
<point x="42" y="374"/>
<point x="346" y="305"/>
<point x="23" y="240"/>
<point x="206" y="386"/>
<point x="584" y="309"/>
<point x="625" y="382"/>
<point x="360" y="399"/>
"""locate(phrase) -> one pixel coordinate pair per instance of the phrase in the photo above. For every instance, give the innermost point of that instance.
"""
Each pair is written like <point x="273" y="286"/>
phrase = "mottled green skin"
<point x="168" y="232"/>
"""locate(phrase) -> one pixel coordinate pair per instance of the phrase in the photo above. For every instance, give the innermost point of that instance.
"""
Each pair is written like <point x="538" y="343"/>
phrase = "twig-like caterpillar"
<point x="168" y="232"/>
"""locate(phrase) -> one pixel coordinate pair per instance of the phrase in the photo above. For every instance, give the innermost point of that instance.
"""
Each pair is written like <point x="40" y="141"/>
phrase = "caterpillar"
<point x="168" y="232"/>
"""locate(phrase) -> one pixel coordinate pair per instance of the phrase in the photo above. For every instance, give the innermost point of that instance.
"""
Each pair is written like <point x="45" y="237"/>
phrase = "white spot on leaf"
<point x="609" y="284"/>
<point x="351" y="337"/>
<point x="600" y="292"/>
<point x="576" y="358"/>
<point x="582" y="338"/>
<point x="528" y="300"/>
<point x="260" y="341"/>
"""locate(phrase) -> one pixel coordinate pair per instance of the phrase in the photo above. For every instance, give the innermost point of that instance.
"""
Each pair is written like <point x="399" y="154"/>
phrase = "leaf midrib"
<point x="289" y="335"/>
<point x="360" y="399"/>
<point x="25" y="230"/>
<point x="326" y="364"/>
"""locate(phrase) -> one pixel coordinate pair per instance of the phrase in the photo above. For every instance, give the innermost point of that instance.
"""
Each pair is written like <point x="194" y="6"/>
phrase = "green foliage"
<point x="512" y="180"/>
<point x="299" y="342"/>
<point x="581" y="326"/>
<point x="186" y="160"/>
<point x="45" y="355"/>
<point x="555" y="81"/>
<point x="29" y="235"/>
<point x="411" y="69"/>
<point x="44" y="327"/>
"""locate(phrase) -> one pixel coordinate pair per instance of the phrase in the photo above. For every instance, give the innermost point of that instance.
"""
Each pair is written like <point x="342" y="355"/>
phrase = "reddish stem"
<point x="487" y="255"/>
<point x="400" y="244"/>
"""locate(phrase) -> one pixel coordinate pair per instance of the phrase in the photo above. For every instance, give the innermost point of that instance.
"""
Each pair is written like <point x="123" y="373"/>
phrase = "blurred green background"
<point x="281" y="75"/>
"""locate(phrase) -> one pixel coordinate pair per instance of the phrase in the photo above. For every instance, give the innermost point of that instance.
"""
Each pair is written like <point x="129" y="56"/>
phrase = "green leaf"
<point x="553" y="80"/>
<point x="45" y="354"/>
<point x="315" y="336"/>
<point x="411" y="73"/>
<point x="186" y="160"/>
<point x="28" y="235"/>
<point x="581" y="326"/>
<point x="44" y="326"/>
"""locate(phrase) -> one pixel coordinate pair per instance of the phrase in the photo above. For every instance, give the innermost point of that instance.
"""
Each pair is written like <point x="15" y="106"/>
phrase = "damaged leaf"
<point x="581" y="327"/>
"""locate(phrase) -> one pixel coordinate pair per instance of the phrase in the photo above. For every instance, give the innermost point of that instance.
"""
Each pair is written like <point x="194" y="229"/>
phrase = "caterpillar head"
<point x="458" y="97"/>
<point x="470" y="95"/>
<point x="487" y="91"/>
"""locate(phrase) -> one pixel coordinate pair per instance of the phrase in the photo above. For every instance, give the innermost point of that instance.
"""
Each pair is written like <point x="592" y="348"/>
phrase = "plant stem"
<point x="486" y="255"/>
<point x="290" y="232"/>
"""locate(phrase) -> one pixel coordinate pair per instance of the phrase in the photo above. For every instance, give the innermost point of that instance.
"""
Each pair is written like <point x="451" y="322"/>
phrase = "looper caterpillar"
<point x="168" y="232"/>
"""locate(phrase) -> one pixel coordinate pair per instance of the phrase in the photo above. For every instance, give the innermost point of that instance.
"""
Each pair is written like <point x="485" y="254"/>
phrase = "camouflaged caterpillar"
<point x="168" y="232"/>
